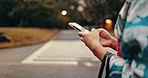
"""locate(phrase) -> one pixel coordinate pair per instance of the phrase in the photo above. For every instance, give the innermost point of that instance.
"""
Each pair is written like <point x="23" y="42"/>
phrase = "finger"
<point x="81" y="34"/>
<point x="93" y="29"/>
<point x="100" y="30"/>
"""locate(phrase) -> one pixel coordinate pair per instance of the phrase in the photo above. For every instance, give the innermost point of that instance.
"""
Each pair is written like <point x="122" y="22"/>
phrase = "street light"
<point x="108" y="24"/>
<point x="64" y="12"/>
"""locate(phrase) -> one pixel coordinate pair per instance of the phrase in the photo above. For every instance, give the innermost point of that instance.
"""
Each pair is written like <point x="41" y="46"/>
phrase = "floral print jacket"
<point x="132" y="30"/>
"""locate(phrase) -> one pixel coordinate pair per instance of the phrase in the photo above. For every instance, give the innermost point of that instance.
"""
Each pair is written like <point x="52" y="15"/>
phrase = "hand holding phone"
<point x="77" y="27"/>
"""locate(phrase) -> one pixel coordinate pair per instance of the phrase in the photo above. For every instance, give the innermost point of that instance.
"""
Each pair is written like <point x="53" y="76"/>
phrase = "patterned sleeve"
<point x="134" y="42"/>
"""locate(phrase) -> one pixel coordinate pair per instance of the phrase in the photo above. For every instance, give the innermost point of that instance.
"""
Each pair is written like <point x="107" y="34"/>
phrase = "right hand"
<point x="92" y="41"/>
<point x="106" y="39"/>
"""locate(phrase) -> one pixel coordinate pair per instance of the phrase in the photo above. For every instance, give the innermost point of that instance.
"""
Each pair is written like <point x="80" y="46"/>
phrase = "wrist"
<point x="99" y="51"/>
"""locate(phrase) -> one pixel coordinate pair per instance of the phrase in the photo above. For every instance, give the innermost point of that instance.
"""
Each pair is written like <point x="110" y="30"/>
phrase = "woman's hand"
<point x="106" y="39"/>
<point x="92" y="41"/>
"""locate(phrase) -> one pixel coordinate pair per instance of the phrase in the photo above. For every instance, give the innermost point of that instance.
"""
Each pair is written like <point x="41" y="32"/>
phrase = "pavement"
<point x="65" y="56"/>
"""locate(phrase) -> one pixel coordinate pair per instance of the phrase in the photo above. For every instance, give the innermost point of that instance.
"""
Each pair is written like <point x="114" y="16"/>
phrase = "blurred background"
<point x="36" y="41"/>
<point x="57" y="13"/>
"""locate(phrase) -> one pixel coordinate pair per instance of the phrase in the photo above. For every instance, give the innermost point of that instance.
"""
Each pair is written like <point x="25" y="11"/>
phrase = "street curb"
<point x="35" y="43"/>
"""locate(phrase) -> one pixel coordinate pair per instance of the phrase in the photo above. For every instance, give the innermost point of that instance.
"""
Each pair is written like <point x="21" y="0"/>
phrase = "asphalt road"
<point x="11" y="65"/>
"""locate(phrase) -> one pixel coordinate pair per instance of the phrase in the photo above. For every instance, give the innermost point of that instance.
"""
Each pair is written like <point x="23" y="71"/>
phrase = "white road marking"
<point x="61" y="52"/>
<point x="36" y="53"/>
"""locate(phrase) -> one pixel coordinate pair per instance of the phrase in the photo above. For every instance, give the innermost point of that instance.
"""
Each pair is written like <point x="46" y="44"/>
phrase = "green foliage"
<point x="43" y="14"/>
<point x="102" y="9"/>
<point x="33" y="14"/>
<point x="47" y="13"/>
<point x="5" y="8"/>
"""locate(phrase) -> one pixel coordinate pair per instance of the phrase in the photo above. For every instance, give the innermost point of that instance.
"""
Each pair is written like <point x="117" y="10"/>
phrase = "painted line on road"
<point x="37" y="53"/>
<point x="31" y="59"/>
<point x="75" y="63"/>
<point x="57" y="63"/>
<point x="51" y="54"/>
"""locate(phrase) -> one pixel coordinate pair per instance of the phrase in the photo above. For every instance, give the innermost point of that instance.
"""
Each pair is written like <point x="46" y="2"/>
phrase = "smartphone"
<point x="77" y="27"/>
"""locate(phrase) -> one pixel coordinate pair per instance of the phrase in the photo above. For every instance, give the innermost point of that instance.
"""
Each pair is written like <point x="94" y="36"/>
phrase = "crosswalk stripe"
<point x="61" y="52"/>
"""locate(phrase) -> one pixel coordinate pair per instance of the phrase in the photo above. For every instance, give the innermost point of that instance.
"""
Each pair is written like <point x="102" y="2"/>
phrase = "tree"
<point x="5" y="8"/>
<point x="40" y="13"/>
<point x="102" y="9"/>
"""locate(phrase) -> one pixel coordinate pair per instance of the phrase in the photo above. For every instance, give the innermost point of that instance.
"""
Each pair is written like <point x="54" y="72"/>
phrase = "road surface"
<point x="65" y="56"/>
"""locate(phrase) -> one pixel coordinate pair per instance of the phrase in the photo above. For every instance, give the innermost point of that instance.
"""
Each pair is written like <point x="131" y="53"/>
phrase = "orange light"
<point x="108" y="21"/>
<point x="108" y="24"/>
